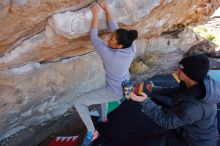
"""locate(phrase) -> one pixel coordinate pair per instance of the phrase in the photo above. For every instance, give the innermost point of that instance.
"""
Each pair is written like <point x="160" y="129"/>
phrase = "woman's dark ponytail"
<point x="132" y="35"/>
<point x="126" y="37"/>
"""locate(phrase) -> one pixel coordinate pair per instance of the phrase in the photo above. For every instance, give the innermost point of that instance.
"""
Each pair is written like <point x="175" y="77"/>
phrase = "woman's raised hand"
<point x="95" y="9"/>
<point x="103" y="4"/>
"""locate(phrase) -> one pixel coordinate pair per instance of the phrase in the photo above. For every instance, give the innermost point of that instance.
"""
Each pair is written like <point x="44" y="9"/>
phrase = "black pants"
<point x="168" y="138"/>
<point x="129" y="126"/>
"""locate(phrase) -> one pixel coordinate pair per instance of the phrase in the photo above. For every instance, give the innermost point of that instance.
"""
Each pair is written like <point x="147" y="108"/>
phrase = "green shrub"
<point x="210" y="37"/>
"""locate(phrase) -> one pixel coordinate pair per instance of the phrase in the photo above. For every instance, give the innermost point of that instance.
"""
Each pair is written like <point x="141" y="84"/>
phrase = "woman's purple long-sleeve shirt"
<point x="116" y="62"/>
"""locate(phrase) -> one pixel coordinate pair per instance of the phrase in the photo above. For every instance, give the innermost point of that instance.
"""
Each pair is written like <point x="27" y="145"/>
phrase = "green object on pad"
<point x="112" y="105"/>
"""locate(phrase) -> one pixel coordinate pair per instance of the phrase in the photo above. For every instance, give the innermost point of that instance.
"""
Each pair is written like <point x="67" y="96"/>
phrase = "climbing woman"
<point x="116" y="56"/>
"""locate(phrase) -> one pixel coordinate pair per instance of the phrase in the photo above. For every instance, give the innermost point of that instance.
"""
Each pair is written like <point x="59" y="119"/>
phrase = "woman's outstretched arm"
<point x="112" y="24"/>
<point x="98" y="44"/>
<point x="95" y="12"/>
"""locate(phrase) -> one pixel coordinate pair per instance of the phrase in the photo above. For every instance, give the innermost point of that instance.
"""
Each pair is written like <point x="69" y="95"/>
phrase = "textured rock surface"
<point x="47" y="59"/>
<point x="35" y="93"/>
<point x="41" y="34"/>
<point x="127" y="12"/>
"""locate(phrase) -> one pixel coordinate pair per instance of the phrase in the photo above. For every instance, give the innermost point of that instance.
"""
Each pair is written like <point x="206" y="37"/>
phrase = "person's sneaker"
<point x="89" y="138"/>
<point x="103" y="120"/>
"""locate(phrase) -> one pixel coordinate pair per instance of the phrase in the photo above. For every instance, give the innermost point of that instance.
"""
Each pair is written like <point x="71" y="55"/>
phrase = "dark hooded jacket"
<point x="191" y="112"/>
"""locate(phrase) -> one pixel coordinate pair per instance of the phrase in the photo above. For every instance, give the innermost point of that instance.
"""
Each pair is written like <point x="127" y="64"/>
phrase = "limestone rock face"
<point x="47" y="60"/>
<point x="36" y="92"/>
<point x="126" y="12"/>
<point x="47" y="30"/>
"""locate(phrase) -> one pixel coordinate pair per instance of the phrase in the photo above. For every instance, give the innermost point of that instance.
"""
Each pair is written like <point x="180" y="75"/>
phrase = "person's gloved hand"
<point x="141" y="98"/>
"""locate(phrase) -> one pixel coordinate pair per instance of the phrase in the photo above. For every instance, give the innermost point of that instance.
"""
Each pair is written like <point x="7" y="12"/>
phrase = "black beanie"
<point x="195" y="67"/>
